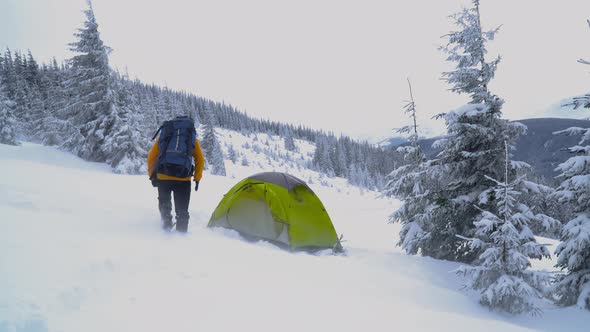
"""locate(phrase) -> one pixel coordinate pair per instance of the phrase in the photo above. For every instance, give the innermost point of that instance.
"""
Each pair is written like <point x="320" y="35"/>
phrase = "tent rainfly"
<point x="277" y="207"/>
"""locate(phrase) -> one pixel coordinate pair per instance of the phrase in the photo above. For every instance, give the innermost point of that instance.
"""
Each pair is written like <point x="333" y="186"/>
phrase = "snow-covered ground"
<point x="81" y="250"/>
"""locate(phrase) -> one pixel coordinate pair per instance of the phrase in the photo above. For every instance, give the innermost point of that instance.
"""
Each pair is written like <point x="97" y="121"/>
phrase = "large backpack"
<point x="176" y="146"/>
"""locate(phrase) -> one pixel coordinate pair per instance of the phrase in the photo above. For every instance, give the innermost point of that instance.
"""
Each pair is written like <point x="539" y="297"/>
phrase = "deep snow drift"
<point x="81" y="250"/>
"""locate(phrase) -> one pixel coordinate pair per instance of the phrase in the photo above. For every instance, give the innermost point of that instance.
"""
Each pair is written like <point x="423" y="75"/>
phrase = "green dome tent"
<point x="277" y="207"/>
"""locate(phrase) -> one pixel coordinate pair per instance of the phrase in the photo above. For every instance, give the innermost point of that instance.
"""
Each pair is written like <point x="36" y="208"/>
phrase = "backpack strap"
<point x="190" y="142"/>
<point x="190" y="147"/>
<point x="164" y="140"/>
<point x="157" y="132"/>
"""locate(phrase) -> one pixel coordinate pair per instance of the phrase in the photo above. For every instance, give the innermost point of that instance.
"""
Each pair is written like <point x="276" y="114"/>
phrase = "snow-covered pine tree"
<point x="55" y="128"/>
<point x="289" y="139"/>
<point x="412" y="153"/>
<point x="37" y="114"/>
<point x="354" y="176"/>
<point x="29" y="106"/>
<point x="321" y="157"/>
<point x="212" y="149"/>
<point x="411" y="184"/>
<point x="7" y="119"/>
<point x="506" y="244"/>
<point x="8" y="75"/>
<point x="36" y="99"/>
<point x="342" y="158"/>
<point x="473" y="149"/>
<point x="31" y="71"/>
<point x="581" y="101"/>
<point x="232" y="154"/>
<point x="53" y="82"/>
<point x="546" y="223"/>
<point x="125" y="146"/>
<point x="573" y="253"/>
<point x="245" y="161"/>
<point x="21" y="97"/>
<point x="92" y="108"/>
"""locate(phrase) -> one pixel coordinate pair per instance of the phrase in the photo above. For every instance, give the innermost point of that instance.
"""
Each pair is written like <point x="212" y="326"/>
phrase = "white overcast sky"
<point x="333" y="64"/>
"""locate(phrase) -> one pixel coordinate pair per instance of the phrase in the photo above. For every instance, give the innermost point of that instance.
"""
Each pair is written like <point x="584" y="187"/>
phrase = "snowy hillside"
<point x="262" y="152"/>
<point x="81" y="250"/>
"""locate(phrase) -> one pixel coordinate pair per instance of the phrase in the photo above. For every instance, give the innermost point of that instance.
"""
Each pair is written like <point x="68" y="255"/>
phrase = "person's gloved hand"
<point x="154" y="181"/>
<point x="196" y="185"/>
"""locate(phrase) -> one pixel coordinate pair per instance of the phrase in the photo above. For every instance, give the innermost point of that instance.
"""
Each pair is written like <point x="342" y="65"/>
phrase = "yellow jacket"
<point x="197" y="154"/>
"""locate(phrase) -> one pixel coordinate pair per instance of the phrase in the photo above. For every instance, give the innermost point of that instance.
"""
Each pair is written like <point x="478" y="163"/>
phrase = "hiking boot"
<point x="167" y="225"/>
<point x="181" y="226"/>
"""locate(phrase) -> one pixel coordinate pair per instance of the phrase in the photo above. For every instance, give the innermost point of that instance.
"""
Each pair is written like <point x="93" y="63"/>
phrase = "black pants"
<point x="182" y="197"/>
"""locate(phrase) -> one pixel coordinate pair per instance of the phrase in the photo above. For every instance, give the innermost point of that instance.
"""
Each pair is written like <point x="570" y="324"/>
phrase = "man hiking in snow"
<point x="170" y="167"/>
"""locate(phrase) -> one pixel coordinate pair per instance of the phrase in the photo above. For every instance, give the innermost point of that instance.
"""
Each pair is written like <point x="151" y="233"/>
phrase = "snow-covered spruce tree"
<point x="212" y="149"/>
<point x="245" y="161"/>
<point x="573" y="253"/>
<point x="339" y="159"/>
<point x="287" y="134"/>
<point x="321" y="157"/>
<point x="7" y="119"/>
<point x="125" y="146"/>
<point x="546" y="223"/>
<point x="55" y="128"/>
<point x="411" y="184"/>
<point x="16" y="73"/>
<point x="474" y="147"/>
<point x="506" y="244"/>
<point x="92" y="106"/>
<point x="8" y="75"/>
<point x="31" y="71"/>
<point x="232" y="154"/>
<point x="35" y="99"/>
<point x="21" y="99"/>
<point x="581" y="101"/>
<point x="37" y="114"/>
<point x="412" y="153"/>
